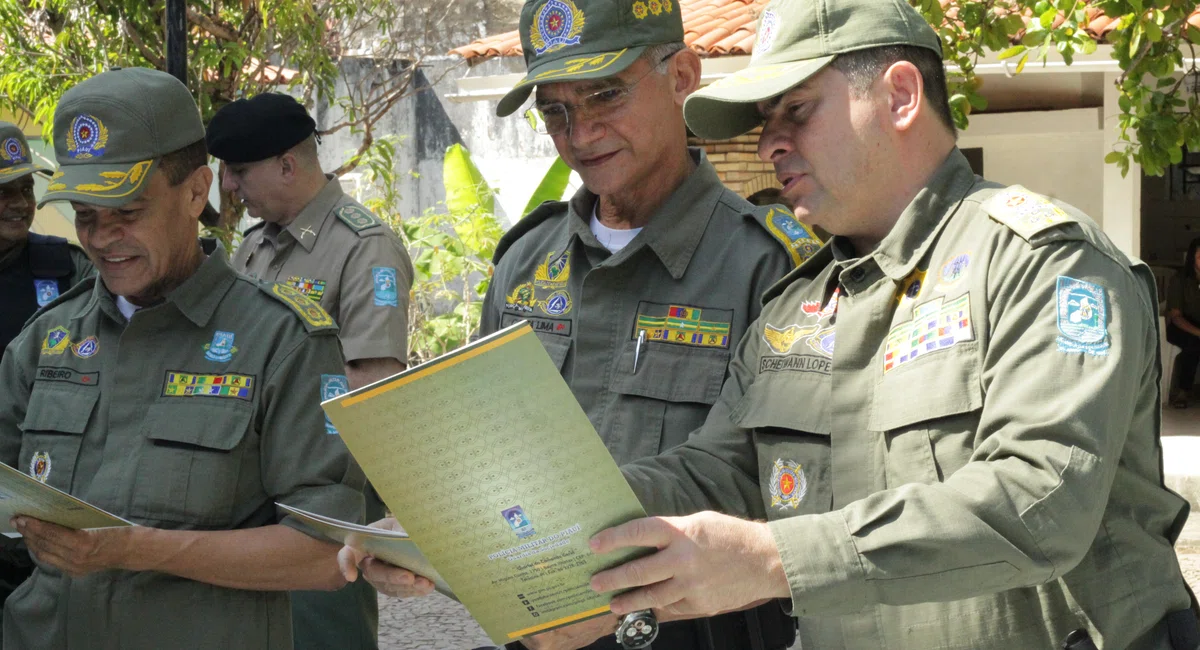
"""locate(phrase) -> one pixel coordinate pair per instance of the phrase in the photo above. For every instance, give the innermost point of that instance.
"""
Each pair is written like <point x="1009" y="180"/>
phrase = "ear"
<point x="905" y="94"/>
<point x="196" y="189"/>
<point x="685" y="67"/>
<point x="290" y="167"/>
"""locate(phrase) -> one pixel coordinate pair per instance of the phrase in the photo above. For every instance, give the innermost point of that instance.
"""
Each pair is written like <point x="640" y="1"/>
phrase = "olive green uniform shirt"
<point x="199" y="413"/>
<point x="347" y="260"/>
<point x="975" y="464"/>
<point x="1184" y="294"/>
<point x="691" y="280"/>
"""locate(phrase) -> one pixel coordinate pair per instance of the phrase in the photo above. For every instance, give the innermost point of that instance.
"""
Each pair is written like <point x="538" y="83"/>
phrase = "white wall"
<point x="1056" y="153"/>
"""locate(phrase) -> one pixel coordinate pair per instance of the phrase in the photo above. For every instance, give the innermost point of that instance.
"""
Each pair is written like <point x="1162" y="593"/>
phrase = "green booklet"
<point x="22" y="494"/>
<point x="496" y="473"/>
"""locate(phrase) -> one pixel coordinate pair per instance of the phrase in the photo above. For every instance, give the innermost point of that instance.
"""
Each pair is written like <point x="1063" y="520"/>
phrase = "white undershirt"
<point x="126" y="308"/>
<point x="612" y="239"/>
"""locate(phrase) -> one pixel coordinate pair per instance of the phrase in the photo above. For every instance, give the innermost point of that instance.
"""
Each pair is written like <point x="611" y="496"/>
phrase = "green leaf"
<point x="1193" y="35"/>
<point x="1124" y="103"/>
<point x="1012" y="51"/>
<point x="1113" y="157"/>
<point x="553" y="184"/>
<point x="1022" y="62"/>
<point x="1153" y="32"/>
<point x="466" y="191"/>
<point x="1047" y="19"/>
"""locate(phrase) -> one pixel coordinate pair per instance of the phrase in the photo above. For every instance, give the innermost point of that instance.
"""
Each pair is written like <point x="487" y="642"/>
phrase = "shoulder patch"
<point x="357" y="217"/>
<point x="528" y="222"/>
<point x="315" y="318"/>
<point x="83" y="286"/>
<point x="1025" y="212"/>
<point x="799" y="239"/>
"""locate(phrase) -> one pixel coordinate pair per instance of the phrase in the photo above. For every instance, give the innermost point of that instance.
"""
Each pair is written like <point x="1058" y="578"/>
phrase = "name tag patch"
<point x="936" y="325"/>
<point x="188" y="384"/>
<point x="559" y="326"/>
<point x="68" y="375"/>
<point x="703" y="327"/>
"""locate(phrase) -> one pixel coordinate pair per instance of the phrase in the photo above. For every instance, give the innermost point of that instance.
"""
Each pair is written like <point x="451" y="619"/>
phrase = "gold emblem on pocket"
<point x="39" y="466"/>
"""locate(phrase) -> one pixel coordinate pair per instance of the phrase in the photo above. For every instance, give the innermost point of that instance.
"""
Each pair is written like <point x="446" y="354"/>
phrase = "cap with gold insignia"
<point x="795" y="41"/>
<point x="111" y="130"/>
<point x="16" y="160"/>
<point x="571" y="40"/>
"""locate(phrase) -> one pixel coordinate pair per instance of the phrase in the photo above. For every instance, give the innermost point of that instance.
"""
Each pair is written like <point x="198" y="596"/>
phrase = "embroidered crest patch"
<point x="221" y="349"/>
<point x="935" y="325"/>
<point x="693" y="326"/>
<point x="333" y="386"/>
<point x="910" y="288"/>
<point x="557" y="24"/>
<point x="815" y="336"/>
<point x="557" y="303"/>
<point x="87" y="137"/>
<point x="953" y="270"/>
<point x="46" y="291"/>
<point x="87" y="348"/>
<point x="788" y="485"/>
<point x="310" y="287"/>
<point x="386" y="294"/>
<point x="768" y="28"/>
<point x="521" y="299"/>
<point x="1082" y="317"/>
<point x="12" y="152"/>
<point x="39" y="466"/>
<point x="801" y="242"/>
<point x="554" y="272"/>
<point x="188" y="384"/>
<point x="57" y="340"/>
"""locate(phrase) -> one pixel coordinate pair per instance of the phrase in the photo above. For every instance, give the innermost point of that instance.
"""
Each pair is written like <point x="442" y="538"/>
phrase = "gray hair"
<point x="656" y="53"/>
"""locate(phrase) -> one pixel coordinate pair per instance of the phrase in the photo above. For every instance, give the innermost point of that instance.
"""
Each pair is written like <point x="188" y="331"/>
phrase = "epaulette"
<point x="357" y="218"/>
<point x="1026" y="213"/>
<point x="315" y="318"/>
<point x="541" y="213"/>
<point x="83" y="286"/>
<point x="797" y="238"/>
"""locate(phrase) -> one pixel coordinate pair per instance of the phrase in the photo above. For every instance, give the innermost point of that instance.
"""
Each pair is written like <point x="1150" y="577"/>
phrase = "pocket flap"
<point x="199" y="425"/>
<point x="60" y="410"/>
<point x="797" y="402"/>
<point x="671" y="373"/>
<point x="557" y="347"/>
<point x="940" y="385"/>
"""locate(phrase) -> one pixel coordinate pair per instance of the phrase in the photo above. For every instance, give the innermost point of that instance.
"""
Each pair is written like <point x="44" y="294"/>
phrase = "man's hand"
<point x="385" y="578"/>
<point x="574" y="636"/>
<point x="707" y="563"/>
<point x="78" y="552"/>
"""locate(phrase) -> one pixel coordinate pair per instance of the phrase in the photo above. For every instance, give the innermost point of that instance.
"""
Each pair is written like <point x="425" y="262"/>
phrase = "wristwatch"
<point x="637" y="630"/>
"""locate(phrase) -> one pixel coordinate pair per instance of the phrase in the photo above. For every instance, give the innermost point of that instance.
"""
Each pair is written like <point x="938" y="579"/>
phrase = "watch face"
<point x="637" y="630"/>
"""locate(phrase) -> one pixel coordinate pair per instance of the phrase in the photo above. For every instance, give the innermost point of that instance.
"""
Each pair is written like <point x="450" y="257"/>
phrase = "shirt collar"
<point x="675" y="229"/>
<point x="307" y="225"/>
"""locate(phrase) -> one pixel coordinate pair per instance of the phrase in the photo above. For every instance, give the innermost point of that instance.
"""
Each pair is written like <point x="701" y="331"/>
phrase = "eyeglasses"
<point x="606" y="104"/>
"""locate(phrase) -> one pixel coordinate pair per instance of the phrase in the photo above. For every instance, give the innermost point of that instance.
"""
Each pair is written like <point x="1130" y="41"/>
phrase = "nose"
<point x="774" y="142"/>
<point x="228" y="183"/>
<point x="582" y="130"/>
<point x="21" y="200"/>
<point x="102" y="233"/>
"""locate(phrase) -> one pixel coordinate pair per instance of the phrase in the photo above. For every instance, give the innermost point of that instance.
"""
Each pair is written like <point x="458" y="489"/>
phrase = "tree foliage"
<point x="1153" y="43"/>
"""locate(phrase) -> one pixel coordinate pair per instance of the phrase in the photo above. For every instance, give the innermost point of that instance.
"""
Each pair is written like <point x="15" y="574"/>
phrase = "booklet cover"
<point x="495" y="472"/>
<point x="21" y="494"/>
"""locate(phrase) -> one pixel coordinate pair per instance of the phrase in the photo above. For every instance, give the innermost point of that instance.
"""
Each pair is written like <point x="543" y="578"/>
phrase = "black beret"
<point x="249" y="130"/>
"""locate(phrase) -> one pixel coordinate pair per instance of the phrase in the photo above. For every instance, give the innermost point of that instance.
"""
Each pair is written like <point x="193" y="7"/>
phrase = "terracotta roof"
<point x="725" y="27"/>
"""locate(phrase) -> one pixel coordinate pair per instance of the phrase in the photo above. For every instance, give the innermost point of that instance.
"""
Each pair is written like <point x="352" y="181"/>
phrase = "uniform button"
<point x="857" y="275"/>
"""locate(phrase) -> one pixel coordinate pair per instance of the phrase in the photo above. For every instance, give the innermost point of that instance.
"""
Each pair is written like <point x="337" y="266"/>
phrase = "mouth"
<point x="12" y="218"/>
<point x="117" y="262"/>
<point x="789" y="180"/>
<point x="596" y="161"/>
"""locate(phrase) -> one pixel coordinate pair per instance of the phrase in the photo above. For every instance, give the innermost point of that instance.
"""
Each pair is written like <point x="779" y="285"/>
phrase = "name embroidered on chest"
<point x="186" y="384"/>
<point x="936" y="325"/>
<point x="694" y="326"/>
<point x="310" y="287"/>
<point x="815" y="335"/>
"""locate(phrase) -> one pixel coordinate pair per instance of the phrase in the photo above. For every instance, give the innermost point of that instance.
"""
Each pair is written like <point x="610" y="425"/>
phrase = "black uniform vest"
<point x="44" y="258"/>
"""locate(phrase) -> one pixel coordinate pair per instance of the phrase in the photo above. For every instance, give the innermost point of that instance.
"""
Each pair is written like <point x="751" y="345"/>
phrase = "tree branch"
<point x="210" y="25"/>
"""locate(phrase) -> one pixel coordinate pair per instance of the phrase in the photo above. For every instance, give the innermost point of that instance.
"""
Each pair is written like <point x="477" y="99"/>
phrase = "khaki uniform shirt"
<point x="344" y="258"/>
<point x="1184" y="294"/>
<point x="691" y="280"/>
<point x="975" y="464"/>
<point x="198" y="414"/>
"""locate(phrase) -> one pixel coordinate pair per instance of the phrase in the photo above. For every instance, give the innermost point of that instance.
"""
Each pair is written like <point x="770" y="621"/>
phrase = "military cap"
<point x="571" y="40"/>
<point x="266" y="125"/>
<point x="16" y="160"/>
<point x="111" y="130"/>
<point x="795" y="41"/>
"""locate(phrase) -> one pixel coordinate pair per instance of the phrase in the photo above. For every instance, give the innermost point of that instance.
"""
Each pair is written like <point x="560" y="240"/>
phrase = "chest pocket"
<point x="194" y="463"/>
<point x="557" y="347"/>
<point x="663" y="400"/>
<point x="789" y="415"/>
<point x="53" y="429"/>
<point x="928" y="413"/>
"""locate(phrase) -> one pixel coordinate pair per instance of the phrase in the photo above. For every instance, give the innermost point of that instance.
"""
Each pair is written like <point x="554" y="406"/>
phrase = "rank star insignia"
<point x="788" y="485"/>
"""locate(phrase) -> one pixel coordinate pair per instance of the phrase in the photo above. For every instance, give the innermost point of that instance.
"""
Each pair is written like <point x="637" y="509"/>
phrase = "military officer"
<point x="34" y="269"/>
<point x="948" y="416"/>
<point x="329" y="247"/>
<point x="643" y="283"/>
<point x="172" y="392"/>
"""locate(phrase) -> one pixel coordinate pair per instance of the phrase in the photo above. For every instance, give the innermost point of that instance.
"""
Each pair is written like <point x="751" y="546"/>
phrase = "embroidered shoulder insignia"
<point x="799" y="240"/>
<point x="1025" y="212"/>
<point x="310" y="312"/>
<point x="357" y="218"/>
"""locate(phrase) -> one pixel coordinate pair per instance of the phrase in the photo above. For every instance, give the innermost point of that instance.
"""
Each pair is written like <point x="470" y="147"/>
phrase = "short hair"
<point x="180" y="164"/>
<point x="863" y="67"/>
<point x="656" y="54"/>
<point x="306" y="151"/>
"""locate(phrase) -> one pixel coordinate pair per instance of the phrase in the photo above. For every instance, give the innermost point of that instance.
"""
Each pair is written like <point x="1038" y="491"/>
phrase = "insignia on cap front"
<point x="768" y="28"/>
<point x="87" y="138"/>
<point x="12" y="152"/>
<point x="557" y="25"/>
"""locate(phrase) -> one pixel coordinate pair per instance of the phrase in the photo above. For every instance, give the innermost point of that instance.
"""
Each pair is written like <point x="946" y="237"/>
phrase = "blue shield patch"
<point x="46" y="291"/>
<point x="1082" y="317"/>
<point x="221" y="349"/>
<point x="385" y="286"/>
<point x="333" y="386"/>
<point x="518" y="521"/>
